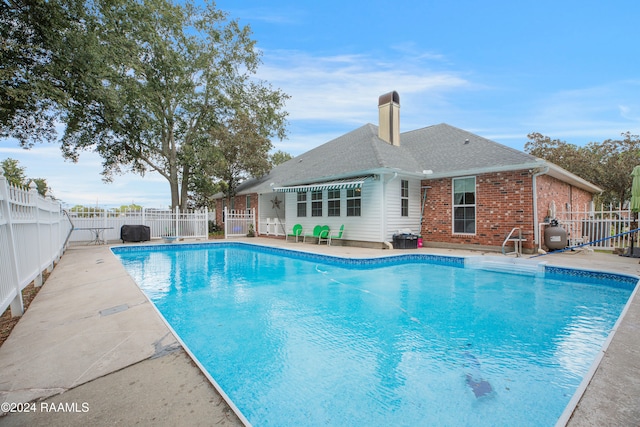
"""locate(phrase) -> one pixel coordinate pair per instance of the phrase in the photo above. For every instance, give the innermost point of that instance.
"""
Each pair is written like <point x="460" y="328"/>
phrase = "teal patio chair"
<point x="324" y="234"/>
<point x="295" y="232"/>
<point x="316" y="233"/>
<point x="336" y="236"/>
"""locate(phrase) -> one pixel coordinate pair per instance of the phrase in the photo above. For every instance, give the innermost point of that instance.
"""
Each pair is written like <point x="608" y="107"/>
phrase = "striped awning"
<point x="348" y="183"/>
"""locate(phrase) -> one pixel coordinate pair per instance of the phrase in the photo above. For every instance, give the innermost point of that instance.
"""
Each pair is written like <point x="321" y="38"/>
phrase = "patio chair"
<point x="316" y="233"/>
<point x="324" y="234"/>
<point x="295" y="232"/>
<point x="336" y="236"/>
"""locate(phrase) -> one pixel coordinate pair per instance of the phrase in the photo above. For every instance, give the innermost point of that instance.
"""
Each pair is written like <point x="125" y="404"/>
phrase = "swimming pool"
<point x="301" y="339"/>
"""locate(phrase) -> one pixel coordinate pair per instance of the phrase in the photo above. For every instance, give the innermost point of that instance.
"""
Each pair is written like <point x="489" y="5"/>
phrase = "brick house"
<point x="453" y="187"/>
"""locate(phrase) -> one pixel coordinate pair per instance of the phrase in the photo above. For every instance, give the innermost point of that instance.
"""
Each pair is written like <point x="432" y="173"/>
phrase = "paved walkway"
<point x="91" y="350"/>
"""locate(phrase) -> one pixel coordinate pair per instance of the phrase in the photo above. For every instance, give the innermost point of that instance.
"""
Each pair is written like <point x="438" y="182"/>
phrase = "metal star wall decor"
<point x="275" y="203"/>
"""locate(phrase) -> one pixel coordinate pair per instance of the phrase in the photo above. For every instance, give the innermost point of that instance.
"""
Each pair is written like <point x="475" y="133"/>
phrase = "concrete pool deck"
<point x="91" y="350"/>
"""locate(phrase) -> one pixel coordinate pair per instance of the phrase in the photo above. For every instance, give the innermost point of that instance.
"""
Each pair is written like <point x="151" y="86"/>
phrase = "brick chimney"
<point x="389" y="118"/>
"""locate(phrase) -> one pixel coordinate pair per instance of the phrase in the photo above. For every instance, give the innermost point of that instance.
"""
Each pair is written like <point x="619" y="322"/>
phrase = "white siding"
<point x="381" y="215"/>
<point x="366" y="227"/>
<point x="394" y="219"/>
<point x="268" y="210"/>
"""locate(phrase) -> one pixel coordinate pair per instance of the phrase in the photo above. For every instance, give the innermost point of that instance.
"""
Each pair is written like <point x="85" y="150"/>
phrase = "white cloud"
<point x="81" y="182"/>
<point x="345" y="88"/>
<point x="332" y="95"/>
<point x="588" y="114"/>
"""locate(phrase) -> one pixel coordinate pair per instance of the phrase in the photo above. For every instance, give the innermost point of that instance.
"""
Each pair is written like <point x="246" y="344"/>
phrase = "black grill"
<point x="135" y="233"/>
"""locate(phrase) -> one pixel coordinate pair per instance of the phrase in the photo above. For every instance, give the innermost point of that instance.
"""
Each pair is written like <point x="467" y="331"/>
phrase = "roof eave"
<point x="547" y="168"/>
<point x="557" y="172"/>
<point x="491" y="169"/>
<point x="376" y="171"/>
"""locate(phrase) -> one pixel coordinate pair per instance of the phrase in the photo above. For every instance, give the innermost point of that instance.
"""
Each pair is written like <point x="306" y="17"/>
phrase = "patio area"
<point x="91" y="350"/>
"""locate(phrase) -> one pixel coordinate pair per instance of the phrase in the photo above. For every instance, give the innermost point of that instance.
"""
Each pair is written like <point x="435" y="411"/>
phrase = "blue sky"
<point x="501" y="69"/>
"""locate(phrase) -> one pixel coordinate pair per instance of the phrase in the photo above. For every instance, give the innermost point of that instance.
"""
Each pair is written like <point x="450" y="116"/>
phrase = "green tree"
<point x="607" y="164"/>
<point x="14" y="173"/>
<point x="128" y="208"/>
<point x="87" y="211"/>
<point x="41" y="185"/>
<point x="202" y="188"/>
<point x="163" y="78"/>
<point x="280" y="157"/>
<point x="16" y="176"/>
<point x="612" y="162"/>
<point x="240" y="150"/>
<point x="39" y="46"/>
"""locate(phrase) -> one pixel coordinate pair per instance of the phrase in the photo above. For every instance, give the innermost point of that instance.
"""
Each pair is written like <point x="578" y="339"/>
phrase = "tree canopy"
<point x="150" y="85"/>
<point x="16" y="175"/>
<point x="280" y="157"/>
<point x="172" y="82"/>
<point x="607" y="164"/>
<point x="40" y="42"/>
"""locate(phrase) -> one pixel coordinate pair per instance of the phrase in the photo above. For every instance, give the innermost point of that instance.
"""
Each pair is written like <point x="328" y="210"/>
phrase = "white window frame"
<point x="404" y="198"/>
<point x="355" y="201"/>
<point x="301" y="202"/>
<point x="316" y="201"/>
<point x="464" y="205"/>
<point x="332" y="201"/>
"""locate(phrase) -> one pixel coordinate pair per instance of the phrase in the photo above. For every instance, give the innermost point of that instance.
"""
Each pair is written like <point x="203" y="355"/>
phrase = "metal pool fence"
<point x="33" y="235"/>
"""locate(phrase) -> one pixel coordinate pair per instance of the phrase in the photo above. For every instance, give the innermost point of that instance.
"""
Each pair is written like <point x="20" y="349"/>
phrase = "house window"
<point x="302" y="204"/>
<point x="353" y="202"/>
<point x="248" y="202"/>
<point x="404" y="197"/>
<point x="316" y="203"/>
<point x="333" y="203"/>
<point x="464" y="205"/>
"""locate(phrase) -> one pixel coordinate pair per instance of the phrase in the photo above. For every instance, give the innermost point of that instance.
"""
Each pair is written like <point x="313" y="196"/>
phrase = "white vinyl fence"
<point x="607" y="228"/>
<point x="162" y="223"/>
<point x="33" y="235"/>
<point x="238" y="223"/>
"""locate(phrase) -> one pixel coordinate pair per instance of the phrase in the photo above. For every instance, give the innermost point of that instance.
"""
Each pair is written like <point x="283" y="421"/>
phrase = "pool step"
<point x="505" y="265"/>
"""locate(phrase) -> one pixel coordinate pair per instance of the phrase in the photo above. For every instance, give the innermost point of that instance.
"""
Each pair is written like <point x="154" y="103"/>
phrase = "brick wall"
<point x="239" y="203"/>
<point x="504" y="200"/>
<point x="552" y="189"/>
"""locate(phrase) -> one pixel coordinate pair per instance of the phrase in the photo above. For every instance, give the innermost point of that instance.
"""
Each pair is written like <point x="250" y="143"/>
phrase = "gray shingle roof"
<point x="446" y="149"/>
<point x="443" y="149"/>
<point x="355" y="153"/>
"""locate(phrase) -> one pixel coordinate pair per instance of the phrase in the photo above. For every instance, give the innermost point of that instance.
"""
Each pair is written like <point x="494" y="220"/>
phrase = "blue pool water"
<point x="311" y="340"/>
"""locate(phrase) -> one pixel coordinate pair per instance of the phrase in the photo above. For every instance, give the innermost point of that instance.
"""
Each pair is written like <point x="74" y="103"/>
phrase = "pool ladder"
<point x="517" y="243"/>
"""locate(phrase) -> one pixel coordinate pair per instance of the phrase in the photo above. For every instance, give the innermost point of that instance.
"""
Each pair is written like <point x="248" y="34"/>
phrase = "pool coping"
<point x="537" y="268"/>
<point x="478" y="262"/>
<point x="588" y="377"/>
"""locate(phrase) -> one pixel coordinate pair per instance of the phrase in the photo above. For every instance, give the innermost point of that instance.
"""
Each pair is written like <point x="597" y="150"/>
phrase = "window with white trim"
<point x="354" y="202"/>
<point x="464" y="205"/>
<point x="404" y="197"/>
<point x="333" y="202"/>
<point x="316" y="203"/>
<point x="302" y="204"/>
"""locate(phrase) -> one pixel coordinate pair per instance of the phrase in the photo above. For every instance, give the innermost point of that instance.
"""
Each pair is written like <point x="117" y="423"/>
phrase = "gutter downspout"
<point x="384" y="208"/>
<point x="536" y="227"/>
